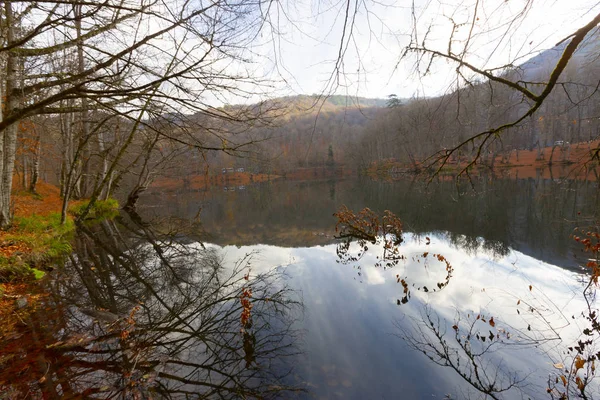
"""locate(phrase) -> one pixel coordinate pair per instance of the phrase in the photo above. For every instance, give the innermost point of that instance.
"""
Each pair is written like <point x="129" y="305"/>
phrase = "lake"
<point x="245" y="292"/>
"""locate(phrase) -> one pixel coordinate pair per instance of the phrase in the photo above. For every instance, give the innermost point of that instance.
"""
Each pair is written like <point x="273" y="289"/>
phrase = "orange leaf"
<point x="579" y="363"/>
<point x="492" y="323"/>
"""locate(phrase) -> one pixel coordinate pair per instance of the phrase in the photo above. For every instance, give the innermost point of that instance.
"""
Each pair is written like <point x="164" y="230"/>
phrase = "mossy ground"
<point x="102" y="209"/>
<point x="37" y="239"/>
<point x="32" y="244"/>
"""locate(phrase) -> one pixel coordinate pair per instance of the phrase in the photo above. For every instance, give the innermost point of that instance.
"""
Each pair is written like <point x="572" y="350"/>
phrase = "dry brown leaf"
<point x="579" y="363"/>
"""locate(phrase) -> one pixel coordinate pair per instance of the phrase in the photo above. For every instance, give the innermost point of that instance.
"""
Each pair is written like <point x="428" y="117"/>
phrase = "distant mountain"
<point x="541" y="65"/>
<point x="331" y="103"/>
<point x="345" y="101"/>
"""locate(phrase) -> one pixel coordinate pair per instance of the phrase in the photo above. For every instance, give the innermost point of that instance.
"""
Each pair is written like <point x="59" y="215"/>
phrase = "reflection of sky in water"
<point x="352" y="321"/>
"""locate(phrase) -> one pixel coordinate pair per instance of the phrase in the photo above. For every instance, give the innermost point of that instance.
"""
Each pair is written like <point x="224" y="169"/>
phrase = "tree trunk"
<point x="84" y="114"/>
<point x="25" y="166"/>
<point x="105" y="193"/>
<point x="9" y="135"/>
<point x="35" y="167"/>
<point x="66" y="142"/>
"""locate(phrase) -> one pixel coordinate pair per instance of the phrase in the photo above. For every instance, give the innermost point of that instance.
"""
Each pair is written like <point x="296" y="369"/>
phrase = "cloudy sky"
<point x="302" y="56"/>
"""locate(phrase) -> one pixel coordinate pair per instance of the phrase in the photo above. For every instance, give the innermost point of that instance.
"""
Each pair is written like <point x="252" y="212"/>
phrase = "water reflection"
<point x="497" y="327"/>
<point x="365" y="232"/>
<point x="135" y="314"/>
<point x="531" y="216"/>
<point x="145" y="310"/>
<point x="466" y="348"/>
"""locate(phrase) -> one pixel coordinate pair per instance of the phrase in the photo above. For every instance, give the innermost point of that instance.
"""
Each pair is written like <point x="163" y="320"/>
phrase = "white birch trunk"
<point x="9" y="135"/>
<point x="35" y="167"/>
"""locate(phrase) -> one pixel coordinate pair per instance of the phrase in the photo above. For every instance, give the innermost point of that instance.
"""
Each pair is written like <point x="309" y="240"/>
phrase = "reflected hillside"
<point x="532" y="216"/>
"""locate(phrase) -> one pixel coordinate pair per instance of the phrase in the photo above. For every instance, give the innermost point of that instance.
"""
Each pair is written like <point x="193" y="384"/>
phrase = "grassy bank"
<point x="37" y="240"/>
<point x="32" y="244"/>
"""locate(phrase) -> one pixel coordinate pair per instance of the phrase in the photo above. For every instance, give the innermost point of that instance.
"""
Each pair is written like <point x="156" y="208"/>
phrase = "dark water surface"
<point x="155" y="304"/>
<point x="531" y="216"/>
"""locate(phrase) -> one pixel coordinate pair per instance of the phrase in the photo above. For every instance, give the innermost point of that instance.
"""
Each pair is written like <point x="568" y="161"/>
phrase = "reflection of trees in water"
<point x="135" y="313"/>
<point x="358" y="232"/>
<point x="478" y="348"/>
<point x="465" y="347"/>
<point x="532" y="216"/>
<point x="477" y="345"/>
<point x="473" y="245"/>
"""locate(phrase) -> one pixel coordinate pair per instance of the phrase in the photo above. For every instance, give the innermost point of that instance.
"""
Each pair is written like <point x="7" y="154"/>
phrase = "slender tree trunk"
<point x="101" y="148"/>
<point x="9" y="135"/>
<point x="65" y="155"/>
<point x="84" y="114"/>
<point x="35" y="167"/>
<point x="25" y="166"/>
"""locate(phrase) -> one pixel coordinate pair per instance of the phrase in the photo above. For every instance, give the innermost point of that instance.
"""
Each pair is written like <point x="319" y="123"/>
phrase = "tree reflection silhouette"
<point x="136" y="314"/>
<point x="467" y="347"/>
<point x="475" y="345"/>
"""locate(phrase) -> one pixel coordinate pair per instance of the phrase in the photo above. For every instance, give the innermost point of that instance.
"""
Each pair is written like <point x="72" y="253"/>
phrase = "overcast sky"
<point x="301" y="57"/>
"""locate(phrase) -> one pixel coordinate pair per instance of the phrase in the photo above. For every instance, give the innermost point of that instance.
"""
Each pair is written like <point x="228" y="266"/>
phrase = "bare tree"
<point x="532" y="94"/>
<point x="469" y="37"/>
<point x="121" y="60"/>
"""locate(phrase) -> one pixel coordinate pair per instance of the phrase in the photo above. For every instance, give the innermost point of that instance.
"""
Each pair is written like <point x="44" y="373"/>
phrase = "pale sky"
<point x="301" y="58"/>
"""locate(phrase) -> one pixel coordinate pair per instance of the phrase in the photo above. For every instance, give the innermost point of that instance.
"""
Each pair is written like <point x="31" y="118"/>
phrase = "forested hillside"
<point x="358" y="132"/>
<point x="278" y="135"/>
<point x="281" y="135"/>
<point x="570" y="114"/>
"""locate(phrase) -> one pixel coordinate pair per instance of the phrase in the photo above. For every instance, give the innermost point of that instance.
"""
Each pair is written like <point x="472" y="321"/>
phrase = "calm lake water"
<point x="153" y="304"/>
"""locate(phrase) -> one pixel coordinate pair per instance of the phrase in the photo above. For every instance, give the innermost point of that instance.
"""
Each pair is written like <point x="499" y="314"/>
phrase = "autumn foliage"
<point x="367" y="228"/>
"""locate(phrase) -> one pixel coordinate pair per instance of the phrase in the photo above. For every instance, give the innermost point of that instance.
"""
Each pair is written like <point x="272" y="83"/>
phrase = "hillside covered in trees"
<point x="99" y="129"/>
<point x="359" y="132"/>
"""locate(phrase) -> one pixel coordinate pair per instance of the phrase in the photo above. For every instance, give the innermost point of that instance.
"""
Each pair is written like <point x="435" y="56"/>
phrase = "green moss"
<point x="37" y="273"/>
<point x="46" y="241"/>
<point x="100" y="210"/>
<point x="15" y="269"/>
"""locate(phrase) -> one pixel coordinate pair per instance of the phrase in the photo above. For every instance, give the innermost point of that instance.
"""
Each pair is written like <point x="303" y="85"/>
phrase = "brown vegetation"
<point x="245" y="178"/>
<point x="46" y="200"/>
<point x="205" y="181"/>
<point x="572" y="161"/>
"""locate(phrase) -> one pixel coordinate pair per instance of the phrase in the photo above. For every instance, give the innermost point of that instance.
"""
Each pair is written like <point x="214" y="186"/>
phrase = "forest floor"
<point x="17" y="246"/>
<point x="45" y="202"/>
<point x="37" y="239"/>
<point x="26" y="204"/>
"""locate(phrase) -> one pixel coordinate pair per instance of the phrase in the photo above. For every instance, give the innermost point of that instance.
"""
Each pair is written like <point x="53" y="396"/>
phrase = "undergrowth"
<point x="35" y="242"/>
<point x="100" y="210"/>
